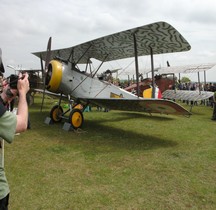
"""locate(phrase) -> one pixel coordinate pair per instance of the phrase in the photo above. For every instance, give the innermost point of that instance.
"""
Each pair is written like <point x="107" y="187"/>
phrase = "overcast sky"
<point x="26" y="25"/>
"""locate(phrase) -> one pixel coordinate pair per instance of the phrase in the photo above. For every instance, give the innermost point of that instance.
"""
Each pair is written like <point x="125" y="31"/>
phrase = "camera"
<point x="12" y="81"/>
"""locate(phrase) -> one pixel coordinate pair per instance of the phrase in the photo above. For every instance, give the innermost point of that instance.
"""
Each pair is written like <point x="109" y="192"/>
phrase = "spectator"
<point x="9" y="125"/>
<point x="214" y="107"/>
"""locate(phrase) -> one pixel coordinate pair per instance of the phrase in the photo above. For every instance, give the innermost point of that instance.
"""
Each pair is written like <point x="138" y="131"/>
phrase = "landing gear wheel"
<point x="76" y="118"/>
<point x="55" y="113"/>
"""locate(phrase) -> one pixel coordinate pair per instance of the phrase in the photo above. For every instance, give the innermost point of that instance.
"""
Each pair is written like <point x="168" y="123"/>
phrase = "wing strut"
<point x="199" y="82"/>
<point x="83" y="54"/>
<point x="88" y="64"/>
<point x="71" y="53"/>
<point x="152" y="71"/>
<point x="174" y="82"/>
<point x="204" y="78"/>
<point x="100" y="65"/>
<point x="92" y="76"/>
<point x="136" y="63"/>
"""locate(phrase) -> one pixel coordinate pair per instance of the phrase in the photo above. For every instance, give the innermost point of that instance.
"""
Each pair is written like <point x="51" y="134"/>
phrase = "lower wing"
<point x="141" y="105"/>
<point x="187" y="95"/>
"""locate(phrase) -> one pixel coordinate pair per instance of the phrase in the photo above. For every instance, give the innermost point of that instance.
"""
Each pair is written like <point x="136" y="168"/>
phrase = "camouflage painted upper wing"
<point x="160" y="37"/>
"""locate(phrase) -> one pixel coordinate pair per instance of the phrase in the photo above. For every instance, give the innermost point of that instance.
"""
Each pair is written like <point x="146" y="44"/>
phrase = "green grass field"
<point x="118" y="160"/>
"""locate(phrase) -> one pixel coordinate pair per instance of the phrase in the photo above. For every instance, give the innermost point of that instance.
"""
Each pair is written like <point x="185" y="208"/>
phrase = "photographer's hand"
<point x="23" y="84"/>
<point x="22" y="111"/>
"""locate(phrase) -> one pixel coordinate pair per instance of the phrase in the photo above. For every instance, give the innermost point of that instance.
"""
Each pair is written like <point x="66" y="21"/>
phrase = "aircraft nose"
<point x="54" y="76"/>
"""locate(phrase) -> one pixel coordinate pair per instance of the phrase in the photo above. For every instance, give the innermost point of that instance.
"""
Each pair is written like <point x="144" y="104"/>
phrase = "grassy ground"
<point x="118" y="161"/>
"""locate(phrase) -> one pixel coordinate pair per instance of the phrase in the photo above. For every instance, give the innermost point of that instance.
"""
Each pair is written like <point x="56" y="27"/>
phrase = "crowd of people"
<point x="196" y="86"/>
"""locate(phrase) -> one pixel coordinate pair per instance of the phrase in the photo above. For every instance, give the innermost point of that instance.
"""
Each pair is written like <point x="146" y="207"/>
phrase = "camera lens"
<point x="13" y="81"/>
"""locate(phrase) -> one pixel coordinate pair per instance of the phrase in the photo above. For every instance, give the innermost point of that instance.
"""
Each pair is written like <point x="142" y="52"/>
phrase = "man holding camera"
<point x="11" y="123"/>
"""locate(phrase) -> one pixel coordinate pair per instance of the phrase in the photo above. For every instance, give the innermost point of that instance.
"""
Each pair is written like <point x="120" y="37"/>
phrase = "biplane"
<point x="188" y="95"/>
<point x="166" y="81"/>
<point x="64" y="76"/>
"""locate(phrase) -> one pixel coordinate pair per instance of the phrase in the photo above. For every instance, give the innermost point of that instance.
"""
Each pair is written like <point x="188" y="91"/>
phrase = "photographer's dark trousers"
<point x="214" y="112"/>
<point x="4" y="203"/>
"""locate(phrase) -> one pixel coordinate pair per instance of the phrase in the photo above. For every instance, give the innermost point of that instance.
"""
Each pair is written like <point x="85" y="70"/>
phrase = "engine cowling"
<point x="54" y="76"/>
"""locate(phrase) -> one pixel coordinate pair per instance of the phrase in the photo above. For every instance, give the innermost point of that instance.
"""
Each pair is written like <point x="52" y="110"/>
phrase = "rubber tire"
<point x="55" y="112"/>
<point x="76" y="118"/>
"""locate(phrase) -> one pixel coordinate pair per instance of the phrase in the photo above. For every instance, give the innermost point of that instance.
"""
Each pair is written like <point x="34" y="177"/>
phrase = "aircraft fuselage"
<point x="70" y="81"/>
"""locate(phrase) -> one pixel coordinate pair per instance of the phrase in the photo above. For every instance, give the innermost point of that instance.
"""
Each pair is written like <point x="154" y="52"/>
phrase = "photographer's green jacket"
<point x="7" y="131"/>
